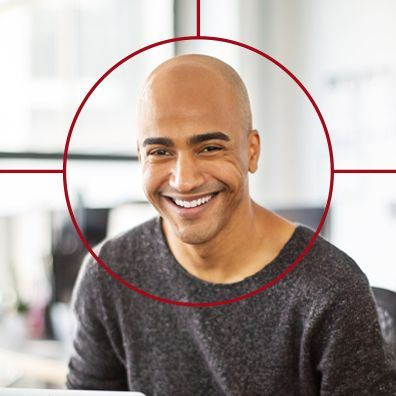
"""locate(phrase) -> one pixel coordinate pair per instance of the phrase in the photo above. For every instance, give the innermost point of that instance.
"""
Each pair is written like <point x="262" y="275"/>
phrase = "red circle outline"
<point x="214" y="303"/>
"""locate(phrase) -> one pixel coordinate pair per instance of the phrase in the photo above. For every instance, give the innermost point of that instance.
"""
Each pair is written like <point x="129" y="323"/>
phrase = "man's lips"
<point x="191" y="205"/>
<point x="190" y="197"/>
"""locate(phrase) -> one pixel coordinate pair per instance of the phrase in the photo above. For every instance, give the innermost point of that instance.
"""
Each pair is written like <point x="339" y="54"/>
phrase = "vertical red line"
<point x="198" y="17"/>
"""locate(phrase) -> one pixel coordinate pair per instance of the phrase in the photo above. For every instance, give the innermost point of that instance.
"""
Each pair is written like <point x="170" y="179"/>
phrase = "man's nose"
<point x="186" y="174"/>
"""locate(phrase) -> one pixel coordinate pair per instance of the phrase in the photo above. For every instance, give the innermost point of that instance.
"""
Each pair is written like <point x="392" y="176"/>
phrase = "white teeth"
<point x="192" y="204"/>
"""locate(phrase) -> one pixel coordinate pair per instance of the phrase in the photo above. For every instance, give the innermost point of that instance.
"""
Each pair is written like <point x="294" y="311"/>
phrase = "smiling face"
<point x="196" y="146"/>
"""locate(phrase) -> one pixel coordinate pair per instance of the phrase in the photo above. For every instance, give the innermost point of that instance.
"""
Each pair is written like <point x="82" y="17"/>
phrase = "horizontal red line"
<point x="61" y="170"/>
<point x="31" y="171"/>
<point x="364" y="170"/>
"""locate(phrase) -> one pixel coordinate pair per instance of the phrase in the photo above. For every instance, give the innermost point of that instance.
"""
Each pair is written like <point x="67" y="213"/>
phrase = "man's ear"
<point x="138" y="151"/>
<point x="254" y="150"/>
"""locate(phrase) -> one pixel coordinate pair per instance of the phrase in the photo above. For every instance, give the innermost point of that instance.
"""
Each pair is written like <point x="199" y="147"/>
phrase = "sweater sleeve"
<point x="94" y="363"/>
<point x="351" y="355"/>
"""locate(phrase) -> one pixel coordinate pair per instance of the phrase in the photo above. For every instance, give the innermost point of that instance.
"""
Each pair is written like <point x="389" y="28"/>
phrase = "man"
<point x="315" y="332"/>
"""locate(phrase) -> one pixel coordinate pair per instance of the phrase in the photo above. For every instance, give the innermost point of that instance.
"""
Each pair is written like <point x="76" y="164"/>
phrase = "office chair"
<point x="386" y="308"/>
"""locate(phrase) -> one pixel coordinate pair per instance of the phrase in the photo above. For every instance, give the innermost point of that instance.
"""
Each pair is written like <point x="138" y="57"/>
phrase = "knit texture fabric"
<point x="315" y="332"/>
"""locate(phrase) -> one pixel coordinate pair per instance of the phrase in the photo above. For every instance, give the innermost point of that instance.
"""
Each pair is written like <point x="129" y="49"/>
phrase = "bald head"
<point x="198" y="87"/>
<point x="195" y="141"/>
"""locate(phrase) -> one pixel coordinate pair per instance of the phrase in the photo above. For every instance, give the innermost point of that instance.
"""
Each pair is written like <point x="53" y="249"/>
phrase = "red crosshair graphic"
<point x="197" y="37"/>
<point x="212" y="303"/>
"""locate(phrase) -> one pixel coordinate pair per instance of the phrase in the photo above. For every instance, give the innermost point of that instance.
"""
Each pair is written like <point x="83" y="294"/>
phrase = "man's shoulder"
<point x="130" y="245"/>
<point x="134" y="240"/>
<point x="325" y="280"/>
<point x="326" y="267"/>
<point x="121" y="254"/>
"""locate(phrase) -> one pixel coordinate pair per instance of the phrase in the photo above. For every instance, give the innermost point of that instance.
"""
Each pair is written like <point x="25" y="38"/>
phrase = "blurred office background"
<point x="53" y="51"/>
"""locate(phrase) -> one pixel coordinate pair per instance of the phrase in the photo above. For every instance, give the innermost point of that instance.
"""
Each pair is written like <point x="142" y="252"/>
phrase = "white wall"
<point x="350" y="62"/>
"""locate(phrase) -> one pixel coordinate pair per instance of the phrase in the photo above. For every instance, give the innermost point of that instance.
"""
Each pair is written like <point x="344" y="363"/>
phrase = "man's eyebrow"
<point x="202" y="137"/>
<point x="163" y="141"/>
<point x="195" y="139"/>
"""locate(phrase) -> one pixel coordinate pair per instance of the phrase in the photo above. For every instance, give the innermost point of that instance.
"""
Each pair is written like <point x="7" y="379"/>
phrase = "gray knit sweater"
<point x="315" y="332"/>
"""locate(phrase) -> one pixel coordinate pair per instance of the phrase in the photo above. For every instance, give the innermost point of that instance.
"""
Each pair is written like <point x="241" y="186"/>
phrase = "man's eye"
<point x="209" y="149"/>
<point x="159" y="153"/>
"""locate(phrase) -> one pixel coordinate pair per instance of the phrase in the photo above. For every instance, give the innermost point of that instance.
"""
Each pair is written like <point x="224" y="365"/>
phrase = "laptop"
<point x="62" y="392"/>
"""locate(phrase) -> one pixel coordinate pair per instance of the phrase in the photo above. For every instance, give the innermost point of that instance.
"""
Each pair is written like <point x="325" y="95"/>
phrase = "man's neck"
<point x="252" y="239"/>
